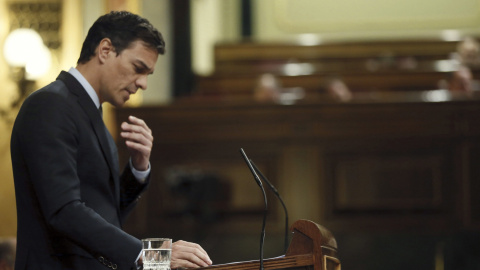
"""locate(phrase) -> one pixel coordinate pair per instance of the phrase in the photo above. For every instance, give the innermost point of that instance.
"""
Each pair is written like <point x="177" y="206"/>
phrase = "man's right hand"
<point x="188" y="255"/>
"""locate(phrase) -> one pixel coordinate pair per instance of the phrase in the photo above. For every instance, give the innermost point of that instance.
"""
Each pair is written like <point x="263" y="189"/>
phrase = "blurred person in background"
<point x="7" y="253"/>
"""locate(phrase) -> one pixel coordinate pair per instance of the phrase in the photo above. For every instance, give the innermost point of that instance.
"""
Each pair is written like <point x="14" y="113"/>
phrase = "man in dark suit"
<point x="71" y="197"/>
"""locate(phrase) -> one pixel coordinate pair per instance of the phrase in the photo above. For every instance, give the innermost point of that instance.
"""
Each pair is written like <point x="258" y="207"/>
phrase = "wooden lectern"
<point x="312" y="247"/>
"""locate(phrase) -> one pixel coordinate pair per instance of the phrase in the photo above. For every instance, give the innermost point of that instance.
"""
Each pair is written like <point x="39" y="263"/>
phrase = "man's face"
<point x="126" y="72"/>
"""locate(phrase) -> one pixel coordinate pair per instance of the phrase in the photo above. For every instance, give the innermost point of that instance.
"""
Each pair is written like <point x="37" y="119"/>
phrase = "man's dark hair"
<point x="122" y="28"/>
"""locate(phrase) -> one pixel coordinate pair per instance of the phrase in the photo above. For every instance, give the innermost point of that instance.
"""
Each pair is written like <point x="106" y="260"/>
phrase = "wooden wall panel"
<point x="390" y="184"/>
<point x="358" y="166"/>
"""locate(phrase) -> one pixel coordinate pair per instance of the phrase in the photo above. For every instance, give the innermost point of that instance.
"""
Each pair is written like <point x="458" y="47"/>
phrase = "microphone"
<point x="275" y="191"/>
<point x="259" y="182"/>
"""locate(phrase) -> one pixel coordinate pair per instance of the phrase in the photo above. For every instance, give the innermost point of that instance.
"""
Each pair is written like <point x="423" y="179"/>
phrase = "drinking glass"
<point x="156" y="253"/>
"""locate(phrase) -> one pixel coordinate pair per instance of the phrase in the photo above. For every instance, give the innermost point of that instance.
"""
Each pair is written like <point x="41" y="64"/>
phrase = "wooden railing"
<point x="363" y="66"/>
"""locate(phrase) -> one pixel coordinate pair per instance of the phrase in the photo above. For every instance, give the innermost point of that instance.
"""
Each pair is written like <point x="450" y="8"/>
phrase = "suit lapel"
<point x="107" y="143"/>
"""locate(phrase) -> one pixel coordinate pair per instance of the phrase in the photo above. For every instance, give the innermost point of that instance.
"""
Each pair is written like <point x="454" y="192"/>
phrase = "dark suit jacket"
<point x="70" y="197"/>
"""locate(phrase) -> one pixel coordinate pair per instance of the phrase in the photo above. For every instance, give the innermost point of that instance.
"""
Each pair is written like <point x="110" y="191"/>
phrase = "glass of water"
<point x="156" y="253"/>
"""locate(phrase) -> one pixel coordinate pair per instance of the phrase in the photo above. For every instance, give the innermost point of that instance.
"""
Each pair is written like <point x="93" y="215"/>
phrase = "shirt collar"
<point x="86" y="85"/>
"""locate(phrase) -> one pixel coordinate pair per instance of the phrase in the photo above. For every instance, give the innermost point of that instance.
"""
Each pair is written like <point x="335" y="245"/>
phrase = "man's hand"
<point x="139" y="140"/>
<point x="188" y="255"/>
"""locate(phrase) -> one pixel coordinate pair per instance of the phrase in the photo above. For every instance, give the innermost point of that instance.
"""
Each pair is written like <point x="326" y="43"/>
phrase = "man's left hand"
<point x="139" y="140"/>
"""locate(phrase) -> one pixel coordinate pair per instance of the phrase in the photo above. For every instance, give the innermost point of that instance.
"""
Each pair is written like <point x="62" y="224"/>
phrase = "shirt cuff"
<point x="141" y="176"/>
<point x="138" y="258"/>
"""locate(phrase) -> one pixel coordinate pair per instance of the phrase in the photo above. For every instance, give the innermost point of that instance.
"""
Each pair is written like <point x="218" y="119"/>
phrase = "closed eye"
<point x="141" y="68"/>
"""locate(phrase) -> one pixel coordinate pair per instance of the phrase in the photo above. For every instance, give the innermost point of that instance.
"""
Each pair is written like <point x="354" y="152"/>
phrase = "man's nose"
<point x="142" y="82"/>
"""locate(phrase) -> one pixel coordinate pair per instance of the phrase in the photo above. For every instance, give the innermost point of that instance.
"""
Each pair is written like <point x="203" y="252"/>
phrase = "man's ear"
<point x="105" y="47"/>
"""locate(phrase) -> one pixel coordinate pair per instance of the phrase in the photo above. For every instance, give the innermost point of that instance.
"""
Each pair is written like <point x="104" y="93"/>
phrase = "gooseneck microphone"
<point x="275" y="191"/>
<point x="259" y="182"/>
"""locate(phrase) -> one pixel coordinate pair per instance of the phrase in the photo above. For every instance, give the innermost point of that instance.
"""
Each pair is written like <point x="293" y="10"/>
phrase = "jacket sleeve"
<point x="130" y="190"/>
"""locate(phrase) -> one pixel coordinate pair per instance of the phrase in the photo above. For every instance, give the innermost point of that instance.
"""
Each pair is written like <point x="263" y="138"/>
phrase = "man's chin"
<point x="118" y="103"/>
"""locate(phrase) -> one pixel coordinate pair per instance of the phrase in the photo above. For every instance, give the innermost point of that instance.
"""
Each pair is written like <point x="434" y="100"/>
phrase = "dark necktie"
<point x="113" y="152"/>
<point x="111" y="142"/>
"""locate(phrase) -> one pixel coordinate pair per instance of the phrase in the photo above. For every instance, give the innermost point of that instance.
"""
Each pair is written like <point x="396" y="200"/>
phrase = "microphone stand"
<point x="262" y="235"/>
<point x="259" y="182"/>
<point x="275" y="191"/>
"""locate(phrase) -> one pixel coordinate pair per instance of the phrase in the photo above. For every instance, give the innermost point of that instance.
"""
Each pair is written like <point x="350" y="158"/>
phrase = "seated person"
<point x="460" y="80"/>
<point x="338" y="90"/>
<point x="7" y="253"/>
<point x="267" y="88"/>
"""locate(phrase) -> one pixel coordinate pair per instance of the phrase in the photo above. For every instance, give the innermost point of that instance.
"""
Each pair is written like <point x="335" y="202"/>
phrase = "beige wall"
<point x="364" y="19"/>
<point x="212" y="21"/>
<point x="8" y="216"/>
<point x="311" y="22"/>
<point x="159" y="83"/>
<point x="8" y="220"/>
